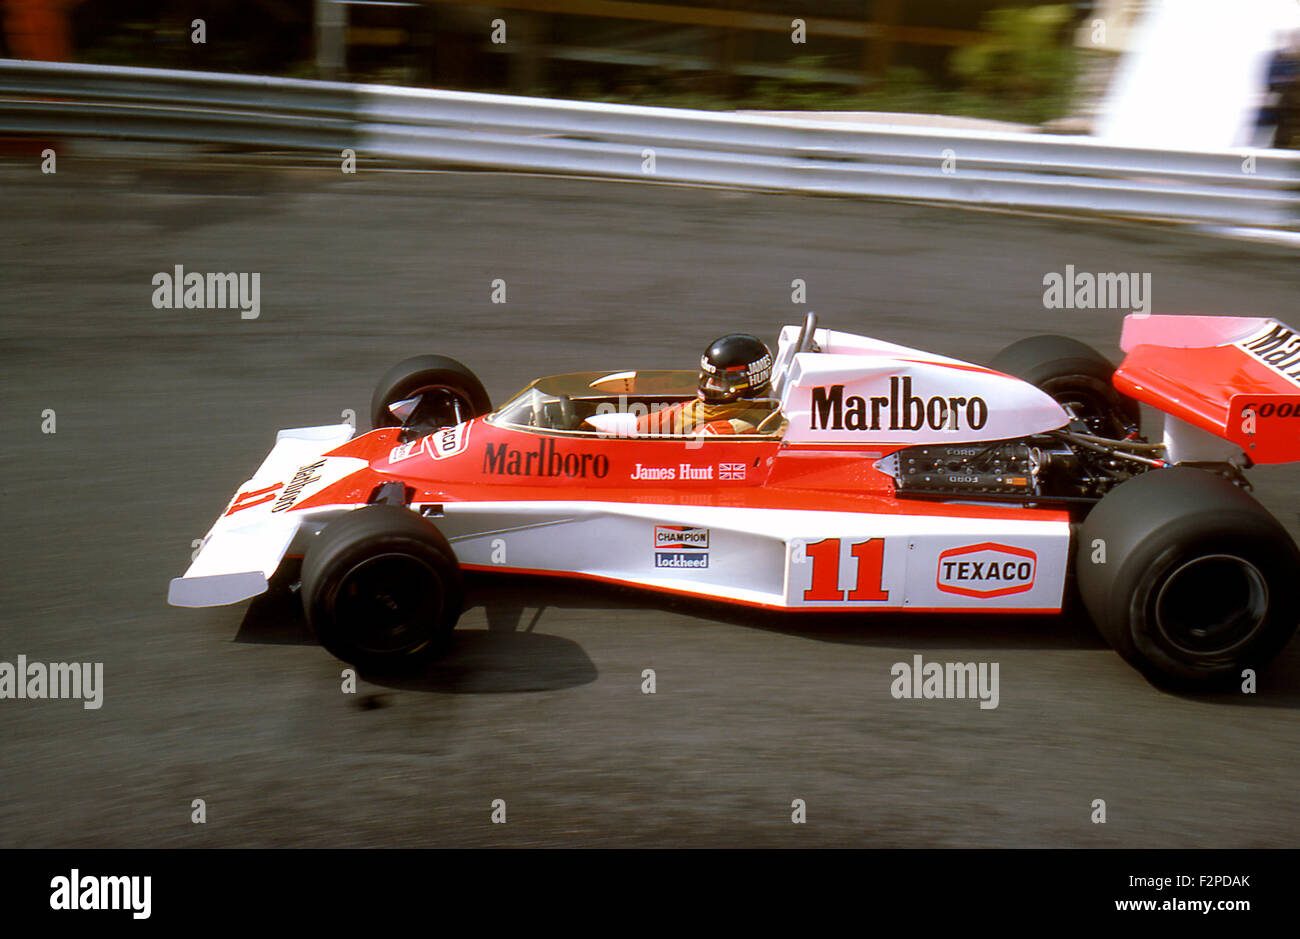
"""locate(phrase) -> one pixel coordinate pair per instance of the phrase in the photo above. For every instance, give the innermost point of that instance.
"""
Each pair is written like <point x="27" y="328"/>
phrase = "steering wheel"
<point x="568" y="413"/>
<point x="544" y="413"/>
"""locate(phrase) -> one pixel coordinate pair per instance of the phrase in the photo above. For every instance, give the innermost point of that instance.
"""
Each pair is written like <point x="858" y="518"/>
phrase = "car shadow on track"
<point x="1071" y="630"/>
<point x="510" y="655"/>
<point x="487" y="661"/>
<point x="1276" y="686"/>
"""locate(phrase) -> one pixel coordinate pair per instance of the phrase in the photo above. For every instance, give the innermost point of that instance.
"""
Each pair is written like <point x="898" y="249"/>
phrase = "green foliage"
<point x="1022" y="73"/>
<point x="1024" y="60"/>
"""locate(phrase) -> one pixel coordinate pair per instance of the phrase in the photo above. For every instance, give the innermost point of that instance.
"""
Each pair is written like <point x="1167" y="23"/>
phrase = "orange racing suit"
<point x="701" y="417"/>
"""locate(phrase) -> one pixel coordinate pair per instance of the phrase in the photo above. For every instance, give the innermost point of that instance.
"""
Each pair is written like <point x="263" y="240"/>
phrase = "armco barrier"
<point x="1014" y="170"/>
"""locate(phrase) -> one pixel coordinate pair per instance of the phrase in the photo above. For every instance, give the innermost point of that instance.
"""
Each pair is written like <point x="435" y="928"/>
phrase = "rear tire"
<point x="441" y="381"/>
<point x="1074" y="374"/>
<point x="1198" y="580"/>
<point x="382" y="588"/>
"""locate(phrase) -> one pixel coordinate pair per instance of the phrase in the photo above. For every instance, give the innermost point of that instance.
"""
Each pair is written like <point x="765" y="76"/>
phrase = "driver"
<point x="735" y="373"/>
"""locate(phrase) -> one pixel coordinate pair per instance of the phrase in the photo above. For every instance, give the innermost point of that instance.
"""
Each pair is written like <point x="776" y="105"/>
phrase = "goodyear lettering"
<point x="1285" y="410"/>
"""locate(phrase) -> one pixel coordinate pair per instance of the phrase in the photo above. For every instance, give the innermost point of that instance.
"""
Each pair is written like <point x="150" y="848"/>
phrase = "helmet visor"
<point x="723" y="384"/>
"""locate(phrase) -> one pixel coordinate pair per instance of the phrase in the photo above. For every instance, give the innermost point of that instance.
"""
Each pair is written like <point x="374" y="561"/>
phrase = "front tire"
<point x="448" y="391"/>
<point x="382" y="588"/>
<point x="1196" y="580"/>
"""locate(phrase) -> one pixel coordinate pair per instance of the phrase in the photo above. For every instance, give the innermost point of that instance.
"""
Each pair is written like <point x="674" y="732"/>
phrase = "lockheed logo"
<point x="831" y="410"/>
<point x="681" y="559"/>
<point x="986" y="570"/>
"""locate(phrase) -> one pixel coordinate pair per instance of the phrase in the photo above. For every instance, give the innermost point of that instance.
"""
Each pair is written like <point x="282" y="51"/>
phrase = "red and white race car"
<point x="884" y="478"/>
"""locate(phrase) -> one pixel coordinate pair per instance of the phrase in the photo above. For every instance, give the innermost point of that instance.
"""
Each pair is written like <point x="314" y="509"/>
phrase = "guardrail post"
<point x="331" y="38"/>
<point x="879" y="48"/>
<point x="528" y="36"/>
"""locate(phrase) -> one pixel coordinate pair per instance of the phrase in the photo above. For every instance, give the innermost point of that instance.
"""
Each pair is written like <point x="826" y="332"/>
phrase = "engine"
<point x="1045" y="467"/>
<point x="969" y="468"/>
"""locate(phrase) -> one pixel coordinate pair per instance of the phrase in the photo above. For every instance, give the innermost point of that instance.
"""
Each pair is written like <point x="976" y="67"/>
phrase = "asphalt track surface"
<point x="161" y="413"/>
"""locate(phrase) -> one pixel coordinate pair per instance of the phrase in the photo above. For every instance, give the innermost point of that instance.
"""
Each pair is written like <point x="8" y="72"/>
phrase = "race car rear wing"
<point x="1235" y="377"/>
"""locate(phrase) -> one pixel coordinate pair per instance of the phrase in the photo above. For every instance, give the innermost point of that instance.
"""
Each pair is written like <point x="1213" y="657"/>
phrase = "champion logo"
<point x="679" y="536"/>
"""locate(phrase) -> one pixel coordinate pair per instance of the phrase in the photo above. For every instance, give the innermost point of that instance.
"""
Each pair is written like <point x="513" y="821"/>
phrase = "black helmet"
<point x="735" y="366"/>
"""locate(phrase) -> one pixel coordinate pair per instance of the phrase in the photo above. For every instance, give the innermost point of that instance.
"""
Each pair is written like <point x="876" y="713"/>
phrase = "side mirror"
<point x="402" y="410"/>
<point x="806" y="341"/>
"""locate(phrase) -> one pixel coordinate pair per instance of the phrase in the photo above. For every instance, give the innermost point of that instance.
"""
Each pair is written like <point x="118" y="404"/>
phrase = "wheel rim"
<point x="1211" y="604"/>
<point x="1091" y="403"/>
<point x="388" y="603"/>
<point x="439" y="406"/>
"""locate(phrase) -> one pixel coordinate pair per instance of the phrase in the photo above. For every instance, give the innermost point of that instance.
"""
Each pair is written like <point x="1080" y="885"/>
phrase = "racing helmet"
<point x="735" y="366"/>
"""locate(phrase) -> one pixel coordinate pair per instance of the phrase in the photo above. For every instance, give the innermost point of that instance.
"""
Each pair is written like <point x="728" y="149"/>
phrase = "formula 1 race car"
<point x="883" y="478"/>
